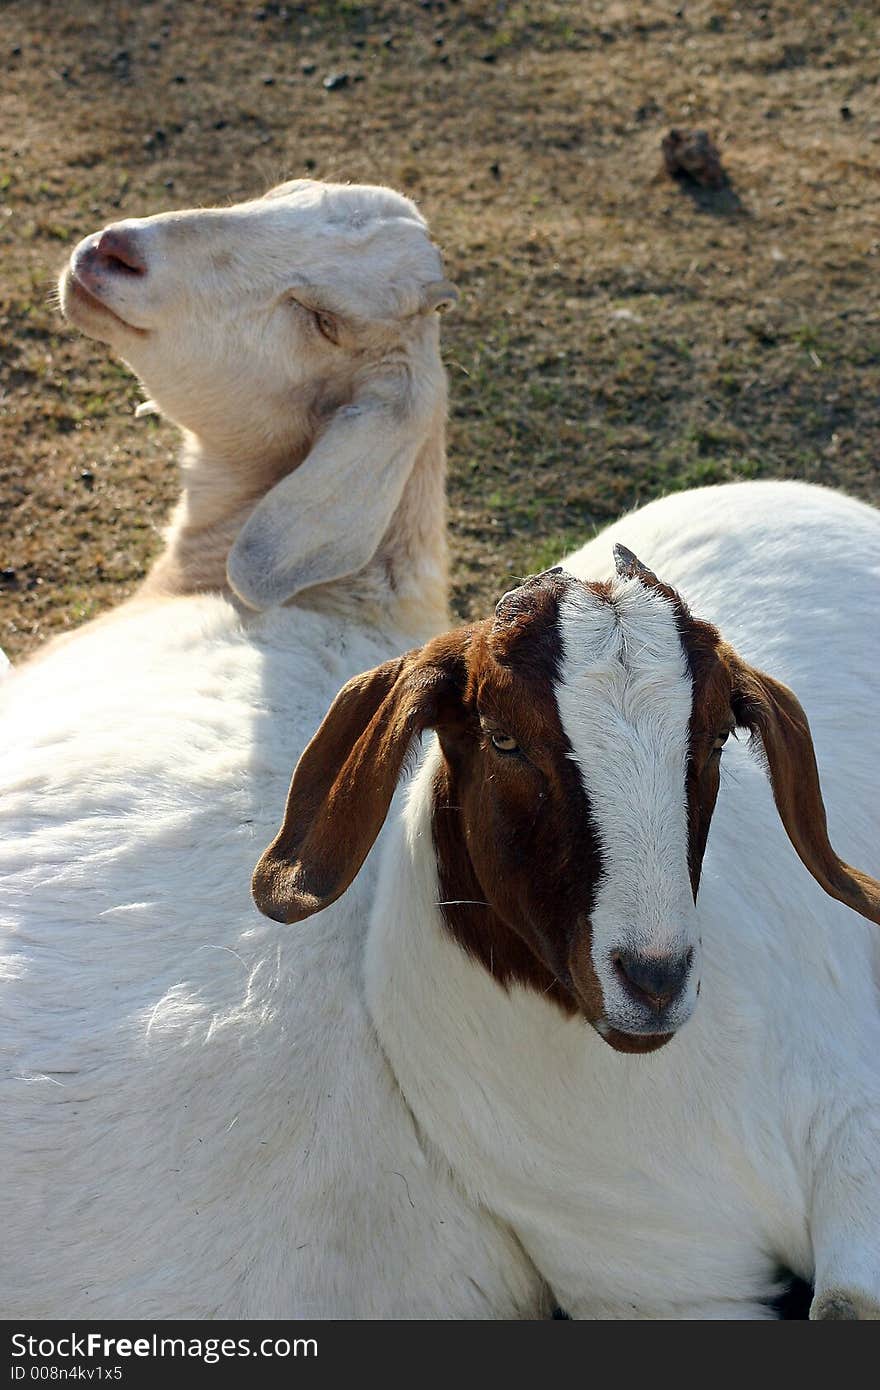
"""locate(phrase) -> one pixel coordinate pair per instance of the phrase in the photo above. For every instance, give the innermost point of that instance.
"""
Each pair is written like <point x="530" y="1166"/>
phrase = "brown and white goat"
<point x="554" y="865"/>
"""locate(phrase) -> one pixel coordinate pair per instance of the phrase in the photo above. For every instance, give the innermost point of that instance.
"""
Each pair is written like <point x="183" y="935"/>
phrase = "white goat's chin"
<point x="90" y="314"/>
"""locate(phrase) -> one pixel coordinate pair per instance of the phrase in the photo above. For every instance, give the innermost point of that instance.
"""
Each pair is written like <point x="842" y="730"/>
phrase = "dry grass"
<point x="618" y="336"/>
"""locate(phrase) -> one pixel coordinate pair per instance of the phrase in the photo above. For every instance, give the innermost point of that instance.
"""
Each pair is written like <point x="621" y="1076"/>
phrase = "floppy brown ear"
<point x="343" y="783"/>
<point x="772" y="712"/>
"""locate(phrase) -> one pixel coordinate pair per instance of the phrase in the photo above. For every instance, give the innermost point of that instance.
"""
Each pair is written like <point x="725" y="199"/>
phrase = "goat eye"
<point x="326" y="325"/>
<point x="504" y="743"/>
<point x="720" y="741"/>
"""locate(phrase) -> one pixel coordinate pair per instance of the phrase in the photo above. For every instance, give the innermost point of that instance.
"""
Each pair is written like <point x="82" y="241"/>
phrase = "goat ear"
<point x="438" y="296"/>
<point x="773" y="713"/>
<point x="343" y="783"/>
<point x="629" y="566"/>
<point x="326" y="519"/>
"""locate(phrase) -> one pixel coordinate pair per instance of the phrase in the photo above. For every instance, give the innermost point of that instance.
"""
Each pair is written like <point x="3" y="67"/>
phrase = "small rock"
<point x="268" y="80"/>
<point x="8" y="577"/>
<point x="691" y="154"/>
<point x="846" y="113"/>
<point x="335" y="80"/>
<point x="489" y="58"/>
<point x="179" y="77"/>
<point x="387" y="40"/>
<point x="495" y="170"/>
<point x="15" y="51"/>
<point x="647" y="109"/>
<point x="221" y="124"/>
<point x="169" y="183"/>
<point x="310" y="164"/>
<point x="307" y="68"/>
<point x="87" y="478"/>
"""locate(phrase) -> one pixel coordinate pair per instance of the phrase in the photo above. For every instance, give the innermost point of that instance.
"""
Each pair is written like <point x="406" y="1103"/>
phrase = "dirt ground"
<point x="619" y="335"/>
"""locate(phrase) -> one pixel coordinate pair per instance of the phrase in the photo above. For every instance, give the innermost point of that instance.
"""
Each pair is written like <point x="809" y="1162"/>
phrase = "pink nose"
<point x="106" y="258"/>
<point x="118" y="250"/>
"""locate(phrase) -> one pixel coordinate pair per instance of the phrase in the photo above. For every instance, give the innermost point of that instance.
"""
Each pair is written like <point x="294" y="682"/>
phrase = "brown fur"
<point x="509" y="827"/>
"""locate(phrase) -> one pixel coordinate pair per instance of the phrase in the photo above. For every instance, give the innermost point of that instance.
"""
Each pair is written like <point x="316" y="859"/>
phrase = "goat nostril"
<point x="120" y="250"/>
<point x="655" y="980"/>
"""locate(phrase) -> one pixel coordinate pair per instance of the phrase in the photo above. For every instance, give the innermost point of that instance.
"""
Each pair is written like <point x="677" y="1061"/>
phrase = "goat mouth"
<point x="73" y="291"/>
<point x="631" y="1042"/>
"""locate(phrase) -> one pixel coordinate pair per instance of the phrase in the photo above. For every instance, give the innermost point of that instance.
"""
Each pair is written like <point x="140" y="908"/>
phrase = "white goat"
<point x="544" y="874"/>
<point x="197" y="1118"/>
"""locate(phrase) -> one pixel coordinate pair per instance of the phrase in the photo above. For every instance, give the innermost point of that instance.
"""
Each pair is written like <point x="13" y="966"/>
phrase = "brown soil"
<point x="621" y="333"/>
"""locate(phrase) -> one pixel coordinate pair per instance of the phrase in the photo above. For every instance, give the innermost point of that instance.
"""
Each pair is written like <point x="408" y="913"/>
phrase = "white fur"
<point x="673" y="1184"/>
<point x="197" y="1119"/>
<point x="624" y="699"/>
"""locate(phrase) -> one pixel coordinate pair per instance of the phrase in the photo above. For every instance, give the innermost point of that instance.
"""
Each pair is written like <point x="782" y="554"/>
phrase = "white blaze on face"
<point x="624" y="701"/>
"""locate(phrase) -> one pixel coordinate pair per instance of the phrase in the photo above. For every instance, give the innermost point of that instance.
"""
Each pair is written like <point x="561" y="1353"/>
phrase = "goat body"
<point x="198" y="1120"/>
